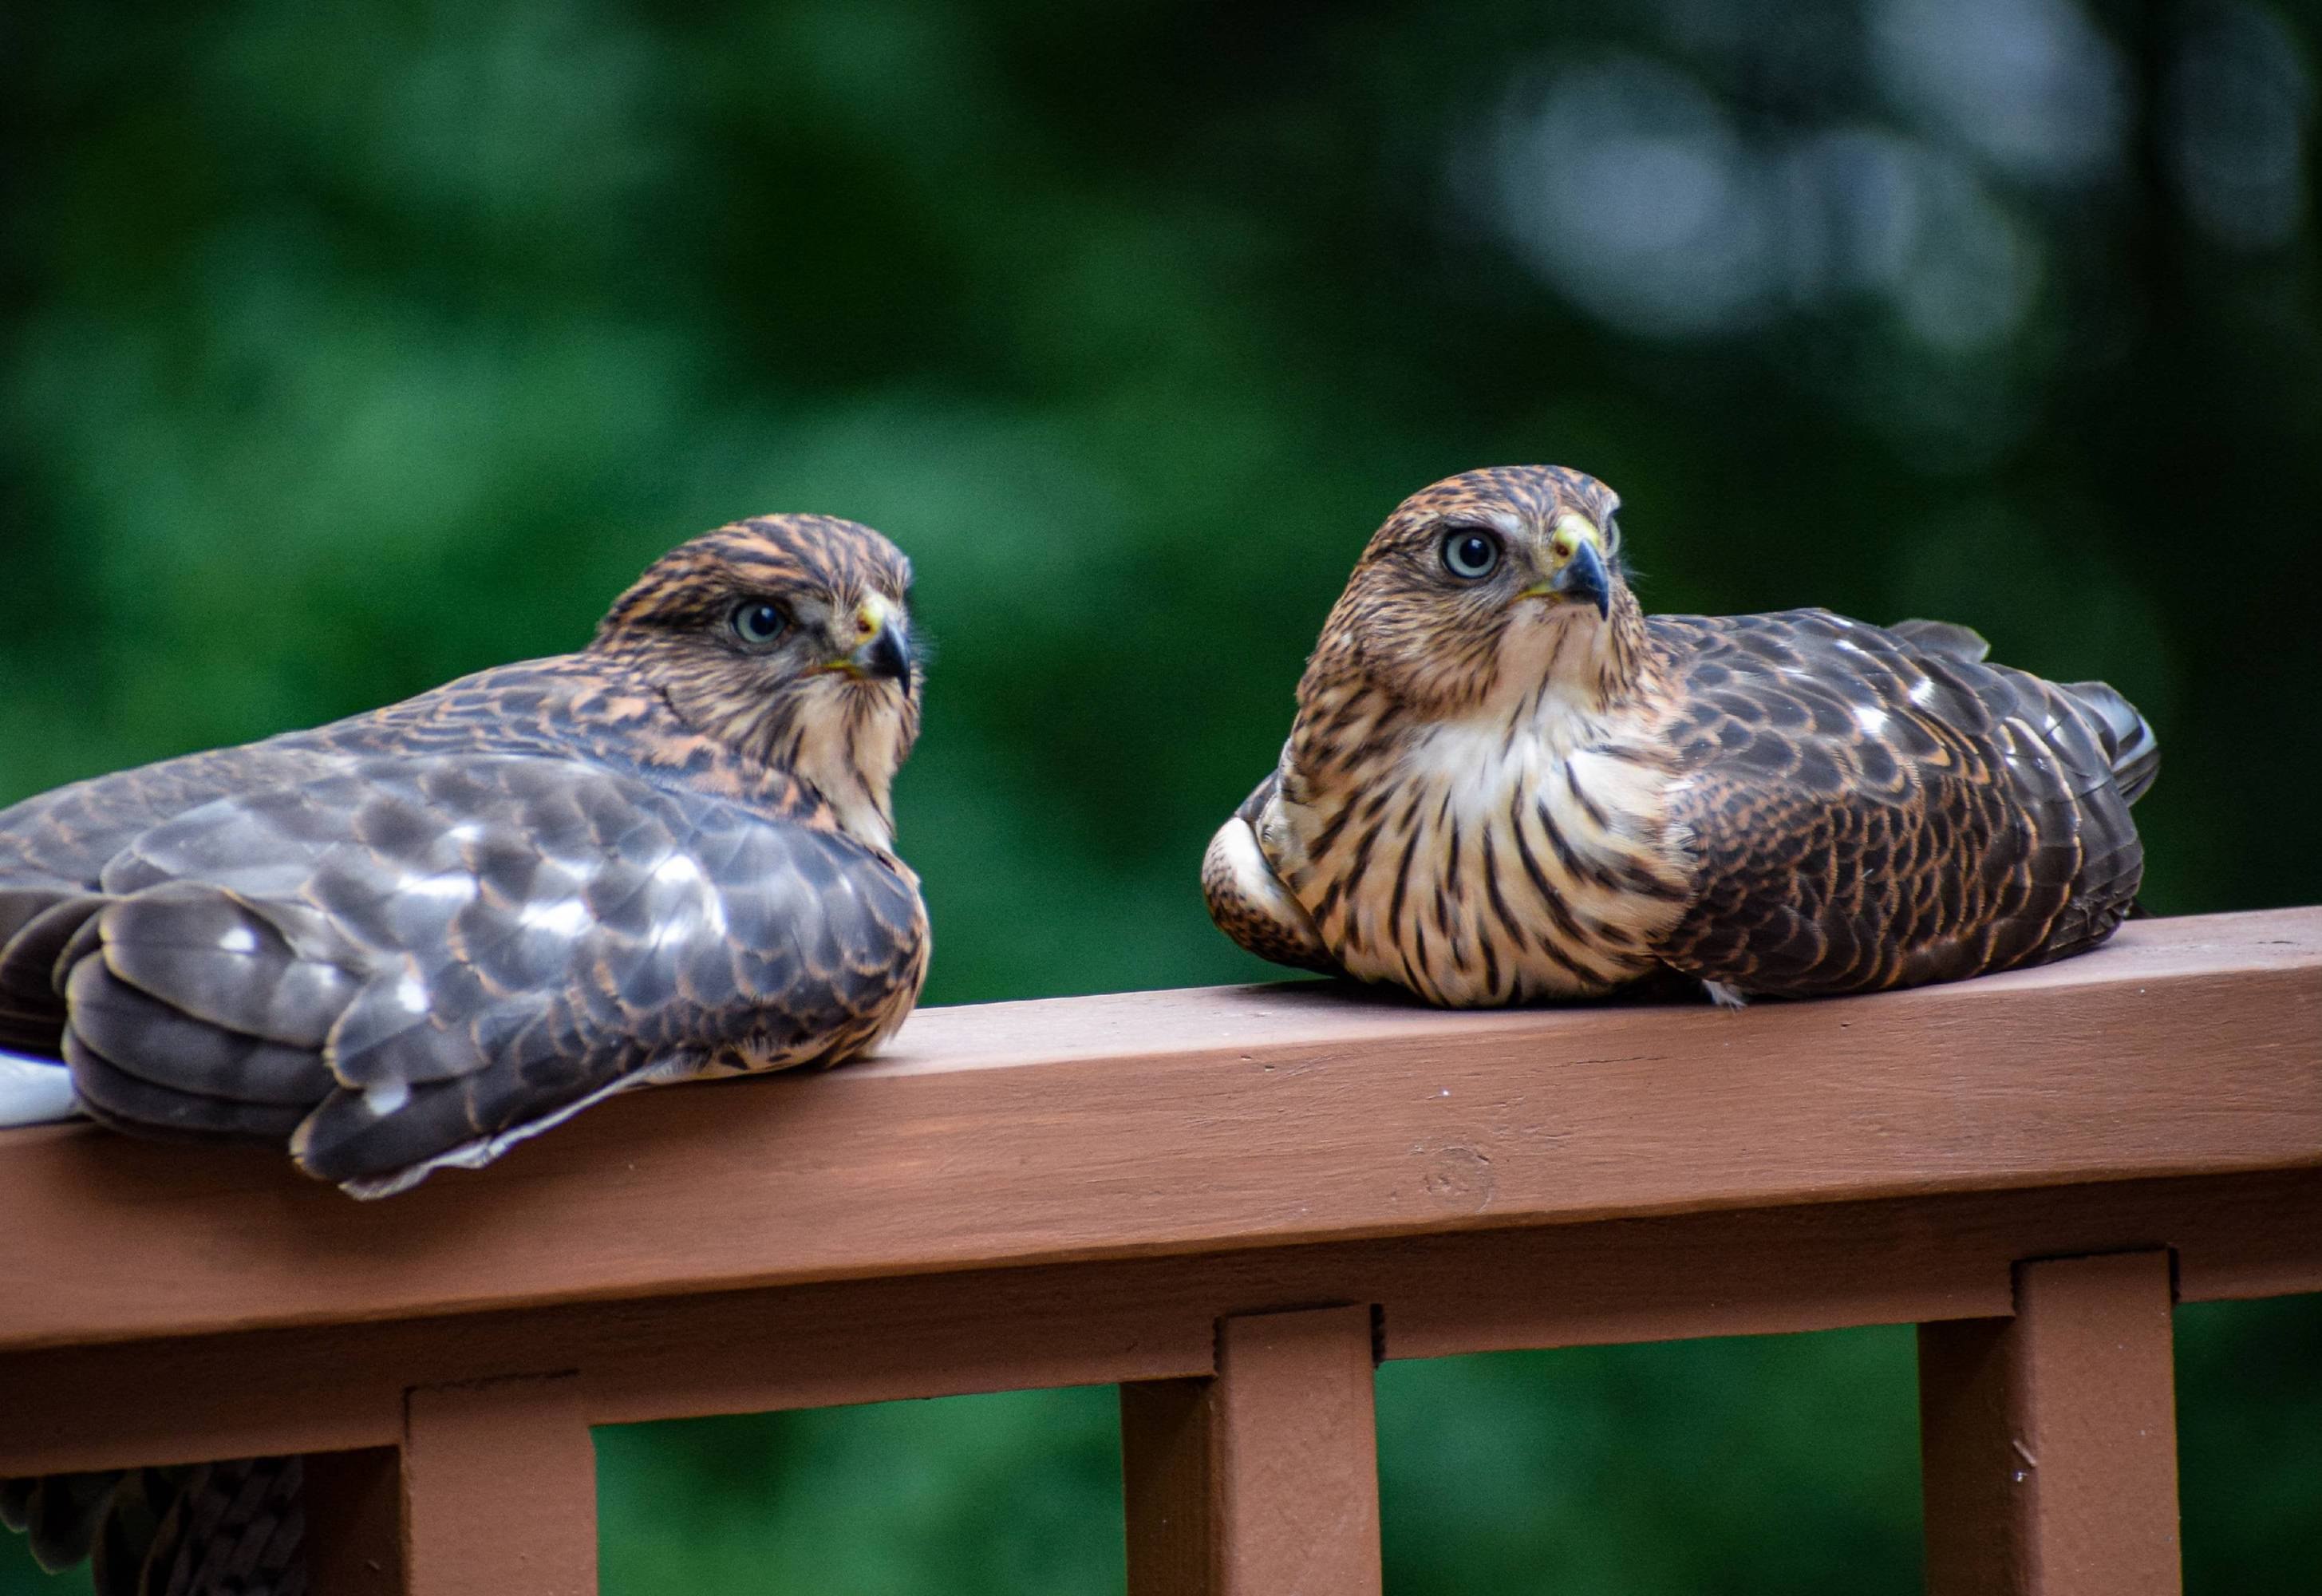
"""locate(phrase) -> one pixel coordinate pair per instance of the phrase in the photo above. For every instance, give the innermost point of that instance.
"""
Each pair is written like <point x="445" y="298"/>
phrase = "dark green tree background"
<point x="344" y="348"/>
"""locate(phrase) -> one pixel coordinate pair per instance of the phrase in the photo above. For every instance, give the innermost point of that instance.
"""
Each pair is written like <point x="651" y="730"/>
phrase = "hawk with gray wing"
<point x="1506" y="782"/>
<point x="412" y="939"/>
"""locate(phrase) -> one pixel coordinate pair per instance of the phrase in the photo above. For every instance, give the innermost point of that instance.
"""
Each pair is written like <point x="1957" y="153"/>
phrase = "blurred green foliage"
<point x="344" y="349"/>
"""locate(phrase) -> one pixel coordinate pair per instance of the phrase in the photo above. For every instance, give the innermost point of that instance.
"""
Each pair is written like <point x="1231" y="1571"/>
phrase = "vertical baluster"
<point x="353" y="1505"/>
<point x="499" y="1490"/>
<point x="2049" y="1440"/>
<point x="1264" y="1480"/>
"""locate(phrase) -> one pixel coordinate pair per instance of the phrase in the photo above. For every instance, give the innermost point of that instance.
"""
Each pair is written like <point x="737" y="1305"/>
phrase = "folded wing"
<point x="1874" y="808"/>
<point x="403" y="962"/>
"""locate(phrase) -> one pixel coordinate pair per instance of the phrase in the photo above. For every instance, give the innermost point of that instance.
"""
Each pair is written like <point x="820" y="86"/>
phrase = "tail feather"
<point x="34" y="1091"/>
<point x="2128" y="738"/>
<point x="58" y="1513"/>
<point x="111" y="1096"/>
<point x="232" y="1528"/>
<point x="224" y="1530"/>
<point x="35" y="926"/>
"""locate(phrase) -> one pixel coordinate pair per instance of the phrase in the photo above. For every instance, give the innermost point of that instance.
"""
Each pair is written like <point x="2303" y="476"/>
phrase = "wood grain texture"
<point x="1297" y="1455"/>
<point x="1898" y="1261"/>
<point x="2049" y="1438"/>
<point x="499" y="1491"/>
<point x="1825" y="1266"/>
<point x="1195" y="1123"/>
<point x="1262" y="1480"/>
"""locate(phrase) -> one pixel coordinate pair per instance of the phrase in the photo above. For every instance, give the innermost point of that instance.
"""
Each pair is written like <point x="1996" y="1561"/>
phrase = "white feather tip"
<point x="34" y="1091"/>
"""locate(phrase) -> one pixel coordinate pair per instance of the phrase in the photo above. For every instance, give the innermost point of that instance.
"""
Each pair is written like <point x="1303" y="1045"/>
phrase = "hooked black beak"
<point x="887" y="655"/>
<point x="1584" y="577"/>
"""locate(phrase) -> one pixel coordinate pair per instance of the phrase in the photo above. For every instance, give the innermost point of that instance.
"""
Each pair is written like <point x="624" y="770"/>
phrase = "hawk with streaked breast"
<point x="411" y="938"/>
<point x="1506" y="782"/>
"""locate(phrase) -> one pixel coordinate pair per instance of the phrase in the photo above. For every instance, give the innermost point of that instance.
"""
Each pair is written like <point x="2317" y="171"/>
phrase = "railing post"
<point x="1264" y="1480"/>
<point x="2048" y="1441"/>
<point x="499" y="1490"/>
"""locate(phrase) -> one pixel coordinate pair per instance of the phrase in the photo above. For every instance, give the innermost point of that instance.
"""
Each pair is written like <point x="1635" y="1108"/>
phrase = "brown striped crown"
<point x="797" y="701"/>
<point x="1408" y="627"/>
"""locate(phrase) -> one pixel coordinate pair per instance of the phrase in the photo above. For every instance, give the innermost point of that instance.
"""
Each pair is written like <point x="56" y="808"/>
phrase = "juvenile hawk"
<point x="1506" y="782"/>
<point x="413" y="938"/>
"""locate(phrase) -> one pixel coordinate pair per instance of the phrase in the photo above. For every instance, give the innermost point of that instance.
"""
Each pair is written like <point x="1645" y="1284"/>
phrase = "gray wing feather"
<point x="56" y="846"/>
<point x="65" y="838"/>
<point x="45" y="918"/>
<point x="431" y="953"/>
<point x="116" y="1020"/>
<point x="129" y="1102"/>
<point x="1945" y="637"/>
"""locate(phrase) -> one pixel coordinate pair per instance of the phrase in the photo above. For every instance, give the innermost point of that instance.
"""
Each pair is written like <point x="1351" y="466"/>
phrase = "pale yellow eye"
<point x="757" y="622"/>
<point x="1470" y="555"/>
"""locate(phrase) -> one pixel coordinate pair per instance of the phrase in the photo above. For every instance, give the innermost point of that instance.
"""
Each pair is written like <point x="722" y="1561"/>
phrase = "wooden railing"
<point x="1232" y="1202"/>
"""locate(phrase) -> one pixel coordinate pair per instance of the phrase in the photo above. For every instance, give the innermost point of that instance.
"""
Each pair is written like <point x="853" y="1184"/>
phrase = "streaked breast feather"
<point x="1476" y="867"/>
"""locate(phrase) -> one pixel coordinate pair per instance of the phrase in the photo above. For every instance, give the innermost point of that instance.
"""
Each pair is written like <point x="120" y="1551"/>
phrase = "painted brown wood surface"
<point x="499" y="1491"/>
<point x="1196" y="1123"/>
<point x="2049" y="1438"/>
<point x="1895" y="1260"/>
<point x="1262" y="1480"/>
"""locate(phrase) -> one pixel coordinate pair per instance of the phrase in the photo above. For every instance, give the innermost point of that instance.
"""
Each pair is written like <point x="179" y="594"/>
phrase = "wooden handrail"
<point x="1084" y="1191"/>
<point x="1196" y="1121"/>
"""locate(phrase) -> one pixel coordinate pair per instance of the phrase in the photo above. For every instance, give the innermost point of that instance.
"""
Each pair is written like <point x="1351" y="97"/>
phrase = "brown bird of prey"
<point x="1506" y="782"/>
<point x="412" y="939"/>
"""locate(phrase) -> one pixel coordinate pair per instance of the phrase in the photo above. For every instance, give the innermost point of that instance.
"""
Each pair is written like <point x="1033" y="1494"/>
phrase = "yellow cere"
<point x="1572" y="530"/>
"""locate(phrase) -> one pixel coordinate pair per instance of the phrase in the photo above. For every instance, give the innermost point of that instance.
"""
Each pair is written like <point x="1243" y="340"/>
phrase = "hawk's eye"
<point x="1469" y="555"/>
<point x="757" y="622"/>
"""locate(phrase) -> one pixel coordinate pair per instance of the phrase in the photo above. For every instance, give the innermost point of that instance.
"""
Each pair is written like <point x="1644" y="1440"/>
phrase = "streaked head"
<point x="1482" y="581"/>
<point x="787" y="638"/>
